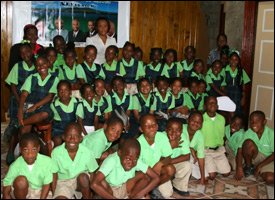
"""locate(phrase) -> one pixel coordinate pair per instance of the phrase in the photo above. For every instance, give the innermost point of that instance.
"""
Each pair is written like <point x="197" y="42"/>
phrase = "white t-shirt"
<point x="98" y="43"/>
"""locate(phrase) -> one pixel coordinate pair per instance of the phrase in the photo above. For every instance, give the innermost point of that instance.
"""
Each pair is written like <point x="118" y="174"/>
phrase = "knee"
<point x="225" y="175"/>
<point x="83" y="180"/>
<point x="268" y="178"/>
<point x="213" y="175"/>
<point x="248" y="146"/>
<point x="170" y="170"/>
<point x="20" y="183"/>
<point x="44" y="115"/>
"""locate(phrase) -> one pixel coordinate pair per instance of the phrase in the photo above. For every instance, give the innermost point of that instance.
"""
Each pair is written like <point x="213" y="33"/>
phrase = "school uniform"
<point x="197" y="76"/>
<point x="171" y="71"/>
<point x="38" y="174"/>
<point x="89" y="74"/>
<point x="59" y="60"/>
<point x="66" y="73"/>
<point x="103" y="107"/>
<point x="232" y="144"/>
<point x="126" y="102"/>
<point x="152" y="72"/>
<point x="193" y="102"/>
<point x="117" y="177"/>
<point x="68" y="169"/>
<point x="179" y="102"/>
<point x="213" y="133"/>
<point x="234" y="84"/>
<point x="63" y="115"/>
<point x="97" y="143"/>
<point x="265" y="147"/>
<point x="110" y="71"/>
<point x="218" y="81"/>
<point x="187" y="69"/>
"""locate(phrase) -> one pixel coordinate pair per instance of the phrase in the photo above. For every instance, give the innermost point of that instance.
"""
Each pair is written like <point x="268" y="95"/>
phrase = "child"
<point x="156" y="152"/>
<point x="154" y="69"/>
<point x="213" y="132"/>
<point x="224" y="56"/>
<point x="100" y="141"/>
<point x="87" y="112"/>
<point x="257" y="150"/>
<point x="52" y="57"/>
<point x="234" y="134"/>
<point x="198" y="70"/>
<point x="122" y="174"/>
<point x="171" y="68"/>
<point x="236" y="79"/>
<point x="88" y="71"/>
<point x="192" y="99"/>
<point x="196" y="146"/>
<point x="75" y="165"/>
<point x="179" y="141"/>
<point x="110" y="67"/>
<point x="59" y="45"/>
<point x="29" y="177"/>
<point x="138" y="54"/>
<point x="165" y="101"/>
<point x="188" y="63"/>
<point x="132" y="69"/>
<point x="64" y="109"/>
<point x="202" y="90"/>
<point x="215" y="80"/>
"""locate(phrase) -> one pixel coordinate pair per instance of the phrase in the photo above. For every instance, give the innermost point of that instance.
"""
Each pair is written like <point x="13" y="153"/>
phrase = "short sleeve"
<point x="11" y="175"/>
<point x="92" y="164"/>
<point x="208" y="79"/>
<point x="27" y="84"/>
<point x="172" y="103"/>
<point x="166" y="147"/>
<point x="13" y="76"/>
<point x="136" y="104"/>
<point x="105" y="166"/>
<point x="245" y="77"/>
<point x="80" y="72"/>
<point x="53" y="89"/>
<point x="141" y="72"/>
<point x="141" y="166"/>
<point x="79" y="111"/>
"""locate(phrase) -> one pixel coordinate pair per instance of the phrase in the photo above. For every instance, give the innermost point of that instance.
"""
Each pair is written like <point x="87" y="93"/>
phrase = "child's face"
<point x="221" y="41"/>
<point x="110" y="55"/>
<point x="128" y="52"/>
<point x="234" y="61"/>
<point x="189" y="54"/>
<point x="195" y="122"/>
<point x="149" y="127"/>
<point x="176" y="87"/>
<point x="202" y="88"/>
<point x="113" y="131"/>
<point x="29" y="152"/>
<point x="118" y="87"/>
<point x="198" y="68"/>
<point x="42" y="66"/>
<point x="72" y="138"/>
<point x="224" y="59"/>
<point x="90" y="55"/>
<point x="194" y="88"/>
<point x="60" y="46"/>
<point x="70" y="59"/>
<point x="51" y="56"/>
<point x="129" y="158"/>
<point x="257" y="123"/>
<point x="145" y="87"/>
<point x="31" y="35"/>
<point x="216" y="69"/>
<point x="88" y="94"/>
<point x="102" y="27"/>
<point x="169" y="58"/>
<point x="138" y="55"/>
<point x="100" y="88"/>
<point x="174" y="131"/>
<point x="156" y="57"/>
<point x="26" y="53"/>
<point x="64" y="93"/>
<point x="162" y="87"/>
<point x="211" y="105"/>
<point x="236" y="125"/>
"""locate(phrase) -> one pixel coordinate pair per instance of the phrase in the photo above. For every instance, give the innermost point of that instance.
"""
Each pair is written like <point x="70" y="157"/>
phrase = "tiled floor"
<point x="220" y="188"/>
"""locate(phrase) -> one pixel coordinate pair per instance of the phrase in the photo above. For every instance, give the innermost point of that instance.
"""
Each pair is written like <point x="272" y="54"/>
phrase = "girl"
<point x="188" y="63"/>
<point x="59" y="45"/>
<point x="138" y="54"/>
<point x="88" y="71"/>
<point x="52" y="56"/>
<point x="171" y="68"/>
<point x="154" y="69"/>
<point x="87" y="112"/>
<point x="198" y="69"/>
<point x="224" y="56"/>
<point x="236" y="78"/>
<point x="64" y="109"/>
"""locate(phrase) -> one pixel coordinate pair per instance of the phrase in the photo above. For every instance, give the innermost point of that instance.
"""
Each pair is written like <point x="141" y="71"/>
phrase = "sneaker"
<point x="182" y="193"/>
<point x="155" y="194"/>
<point x="249" y="170"/>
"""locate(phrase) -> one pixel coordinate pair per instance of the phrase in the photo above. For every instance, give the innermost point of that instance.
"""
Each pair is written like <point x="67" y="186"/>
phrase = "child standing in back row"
<point x="171" y="68"/>
<point x="154" y="69"/>
<point x="188" y="63"/>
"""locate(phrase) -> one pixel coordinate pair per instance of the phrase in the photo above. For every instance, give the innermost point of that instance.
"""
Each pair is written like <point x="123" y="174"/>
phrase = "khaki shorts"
<point x="267" y="168"/>
<point x="32" y="193"/>
<point x="120" y="192"/>
<point x="216" y="161"/>
<point x="67" y="188"/>
<point x="230" y="156"/>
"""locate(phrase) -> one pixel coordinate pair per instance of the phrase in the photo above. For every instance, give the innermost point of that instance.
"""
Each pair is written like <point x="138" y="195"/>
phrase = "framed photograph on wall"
<point x="45" y="15"/>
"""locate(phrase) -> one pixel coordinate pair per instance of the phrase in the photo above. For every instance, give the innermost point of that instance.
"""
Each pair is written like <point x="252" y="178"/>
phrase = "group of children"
<point x="164" y="131"/>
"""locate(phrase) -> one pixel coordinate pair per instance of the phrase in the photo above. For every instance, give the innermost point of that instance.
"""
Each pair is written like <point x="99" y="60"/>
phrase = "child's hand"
<point x="257" y="170"/>
<point x="20" y="118"/>
<point x="202" y="181"/>
<point x="31" y="109"/>
<point x="239" y="174"/>
<point x="195" y="159"/>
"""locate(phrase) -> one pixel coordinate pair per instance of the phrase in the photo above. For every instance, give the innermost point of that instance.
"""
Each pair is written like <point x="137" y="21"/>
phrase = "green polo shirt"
<point x="66" y="108"/>
<point x="213" y="130"/>
<point x="100" y="103"/>
<point x="234" y="140"/>
<point x="28" y="83"/>
<point x="168" y="94"/>
<point x="80" y="109"/>
<point x="114" y="172"/>
<point x="80" y="73"/>
<point x="210" y="77"/>
<point x="137" y="105"/>
<point x="151" y="154"/>
<point x="244" y="79"/>
<point x="180" y="94"/>
<point x="183" y="147"/>
<point x="97" y="142"/>
<point x="166" y="69"/>
<point x="198" y="76"/>
<point x="197" y="144"/>
<point x="188" y="100"/>
<point x="41" y="173"/>
<point x="187" y="67"/>
<point x="13" y="75"/>
<point x="157" y="68"/>
<point x="140" y="70"/>
<point x="59" y="60"/>
<point x="70" y="73"/>
<point x="110" y="68"/>
<point x="121" y="101"/>
<point x="54" y="69"/>
<point x="265" y="144"/>
<point x="84" y="161"/>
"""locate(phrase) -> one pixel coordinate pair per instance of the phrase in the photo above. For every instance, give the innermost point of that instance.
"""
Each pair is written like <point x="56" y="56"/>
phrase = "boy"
<point x="75" y="165"/>
<point x="180" y="157"/>
<point x="257" y="150"/>
<point x="156" y="152"/>
<point x="213" y="133"/>
<point x="31" y="174"/>
<point x="100" y="141"/>
<point x="119" y="175"/>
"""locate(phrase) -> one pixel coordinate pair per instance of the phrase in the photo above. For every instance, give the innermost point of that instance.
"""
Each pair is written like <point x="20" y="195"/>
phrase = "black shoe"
<point x="155" y="194"/>
<point x="249" y="170"/>
<point x="182" y="193"/>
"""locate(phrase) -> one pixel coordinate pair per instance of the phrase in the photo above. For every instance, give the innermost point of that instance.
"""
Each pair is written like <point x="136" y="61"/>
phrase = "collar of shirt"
<point x="157" y="68"/>
<point x="112" y="67"/>
<point x="27" y="68"/>
<point x="168" y="94"/>
<point x="59" y="103"/>
<point x="92" y="68"/>
<point x="186" y="66"/>
<point x="191" y="94"/>
<point x="128" y="64"/>
<point x="124" y="96"/>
